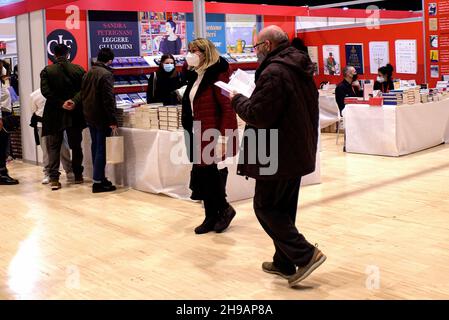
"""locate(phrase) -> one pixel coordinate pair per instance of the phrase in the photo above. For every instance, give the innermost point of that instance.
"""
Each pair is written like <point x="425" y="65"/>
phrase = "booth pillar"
<point x="32" y="58"/>
<point x="199" y="18"/>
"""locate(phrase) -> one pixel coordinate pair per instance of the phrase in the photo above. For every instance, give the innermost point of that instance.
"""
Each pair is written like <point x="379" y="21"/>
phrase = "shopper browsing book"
<point x="284" y="105"/>
<point x="99" y="106"/>
<point x="204" y="108"/>
<point x="61" y="85"/>
<point x="163" y="83"/>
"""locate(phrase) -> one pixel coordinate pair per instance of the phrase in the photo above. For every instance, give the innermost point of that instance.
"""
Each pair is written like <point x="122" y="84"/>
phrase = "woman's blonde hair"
<point x="209" y="50"/>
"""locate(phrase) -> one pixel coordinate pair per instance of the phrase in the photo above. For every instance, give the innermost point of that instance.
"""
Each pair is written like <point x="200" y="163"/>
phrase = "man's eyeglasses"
<point x="258" y="44"/>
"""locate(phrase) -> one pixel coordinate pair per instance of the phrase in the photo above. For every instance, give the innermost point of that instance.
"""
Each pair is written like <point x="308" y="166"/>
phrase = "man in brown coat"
<point x="284" y="105"/>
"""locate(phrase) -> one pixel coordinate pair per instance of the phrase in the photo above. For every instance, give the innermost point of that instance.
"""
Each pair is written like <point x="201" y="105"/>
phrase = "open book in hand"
<point x="241" y="82"/>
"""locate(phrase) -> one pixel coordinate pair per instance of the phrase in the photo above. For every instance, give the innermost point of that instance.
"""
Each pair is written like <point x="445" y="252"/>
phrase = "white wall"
<point x="31" y="55"/>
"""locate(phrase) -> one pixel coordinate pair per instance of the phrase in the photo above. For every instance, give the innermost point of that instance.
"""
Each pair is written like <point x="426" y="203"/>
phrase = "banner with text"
<point x="116" y="30"/>
<point x="215" y="27"/>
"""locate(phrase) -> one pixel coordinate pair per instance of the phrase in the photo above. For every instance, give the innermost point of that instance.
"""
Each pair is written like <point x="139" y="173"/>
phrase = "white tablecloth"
<point x="329" y="112"/>
<point x="148" y="167"/>
<point x="396" y="131"/>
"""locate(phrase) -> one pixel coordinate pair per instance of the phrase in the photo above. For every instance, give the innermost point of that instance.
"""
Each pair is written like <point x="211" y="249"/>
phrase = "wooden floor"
<point x="382" y="222"/>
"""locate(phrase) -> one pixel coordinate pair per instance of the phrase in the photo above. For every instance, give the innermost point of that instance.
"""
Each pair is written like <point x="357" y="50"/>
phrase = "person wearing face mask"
<point x="384" y="80"/>
<point x="163" y="83"/>
<point x="5" y="179"/>
<point x="284" y="103"/>
<point x="349" y="87"/>
<point x="204" y="107"/>
<point x="99" y="107"/>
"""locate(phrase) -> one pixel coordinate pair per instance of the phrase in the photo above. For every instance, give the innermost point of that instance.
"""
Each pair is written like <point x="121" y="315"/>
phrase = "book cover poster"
<point x="435" y="71"/>
<point x="407" y="57"/>
<point x="313" y="54"/>
<point x="163" y="33"/>
<point x="433" y="24"/>
<point x="434" y="41"/>
<point x="434" y="56"/>
<point x="354" y="56"/>
<point x="379" y="55"/>
<point x="331" y="57"/>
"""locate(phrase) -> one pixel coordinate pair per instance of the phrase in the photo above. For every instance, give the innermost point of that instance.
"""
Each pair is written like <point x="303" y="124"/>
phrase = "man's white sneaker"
<point x="46" y="180"/>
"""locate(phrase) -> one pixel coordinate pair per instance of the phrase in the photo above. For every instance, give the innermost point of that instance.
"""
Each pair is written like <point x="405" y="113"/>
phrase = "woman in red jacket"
<point x="206" y="111"/>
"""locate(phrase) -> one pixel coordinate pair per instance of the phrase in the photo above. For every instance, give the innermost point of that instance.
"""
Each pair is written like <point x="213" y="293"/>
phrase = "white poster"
<point x="379" y="55"/>
<point x="313" y="54"/>
<point x="406" y="57"/>
<point x="332" y="62"/>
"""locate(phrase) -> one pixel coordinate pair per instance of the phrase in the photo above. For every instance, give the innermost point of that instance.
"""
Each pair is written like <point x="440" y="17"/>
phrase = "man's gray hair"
<point x="346" y="70"/>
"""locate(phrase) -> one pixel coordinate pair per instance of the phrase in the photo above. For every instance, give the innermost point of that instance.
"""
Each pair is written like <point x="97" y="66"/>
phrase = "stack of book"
<point x="169" y="118"/>
<point x="424" y="97"/>
<point x="412" y="96"/>
<point x="394" y="98"/>
<point x="129" y="119"/>
<point x="142" y="118"/>
<point x="354" y="100"/>
<point x="154" y="117"/>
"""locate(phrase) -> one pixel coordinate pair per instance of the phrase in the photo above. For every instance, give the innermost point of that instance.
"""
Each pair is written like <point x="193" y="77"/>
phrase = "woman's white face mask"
<point x="380" y="79"/>
<point x="3" y="72"/>
<point x="193" y="59"/>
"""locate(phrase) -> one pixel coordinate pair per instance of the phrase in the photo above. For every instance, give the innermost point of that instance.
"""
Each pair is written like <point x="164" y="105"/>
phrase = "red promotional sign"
<point x="68" y="26"/>
<point x="437" y="39"/>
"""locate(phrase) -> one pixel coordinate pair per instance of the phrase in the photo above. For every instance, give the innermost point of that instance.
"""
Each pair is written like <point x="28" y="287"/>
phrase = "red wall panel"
<point x="390" y="33"/>
<point x="56" y="19"/>
<point x="286" y="23"/>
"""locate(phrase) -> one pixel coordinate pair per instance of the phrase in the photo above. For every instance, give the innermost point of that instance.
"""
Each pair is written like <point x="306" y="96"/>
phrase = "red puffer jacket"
<point x="212" y="110"/>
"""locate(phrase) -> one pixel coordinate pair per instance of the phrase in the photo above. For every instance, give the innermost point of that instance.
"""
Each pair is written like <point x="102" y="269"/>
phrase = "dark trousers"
<point x="98" y="148"/>
<point x="275" y="205"/>
<point x="54" y="143"/>
<point x="3" y="149"/>
<point x="209" y="184"/>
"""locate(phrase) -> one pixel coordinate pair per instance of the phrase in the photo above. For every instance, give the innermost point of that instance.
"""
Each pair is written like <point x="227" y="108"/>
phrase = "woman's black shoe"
<point x="225" y="220"/>
<point x="206" y="227"/>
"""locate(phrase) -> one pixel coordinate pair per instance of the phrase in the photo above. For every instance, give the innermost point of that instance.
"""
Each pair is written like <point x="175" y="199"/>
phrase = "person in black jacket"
<point x="5" y="179"/>
<point x="163" y="83"/>
<point x="99" y="105"/>
<point x="384" y="81"/>
<point x="349" y="87"/>
<point x="285" y="104"/>
<point x="61" y="85"/>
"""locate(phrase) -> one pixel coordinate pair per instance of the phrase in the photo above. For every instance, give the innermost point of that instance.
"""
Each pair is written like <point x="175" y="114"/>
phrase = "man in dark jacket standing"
<point x="285" y="103"/>
<point x="99" y="105"/>
<point x="61" y="85"/>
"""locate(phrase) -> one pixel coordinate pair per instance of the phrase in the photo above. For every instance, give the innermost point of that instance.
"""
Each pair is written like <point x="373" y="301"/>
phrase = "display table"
<point x="329" y="112"/>
<point x="148" y="167"/>
<point x="396" y="131"/>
